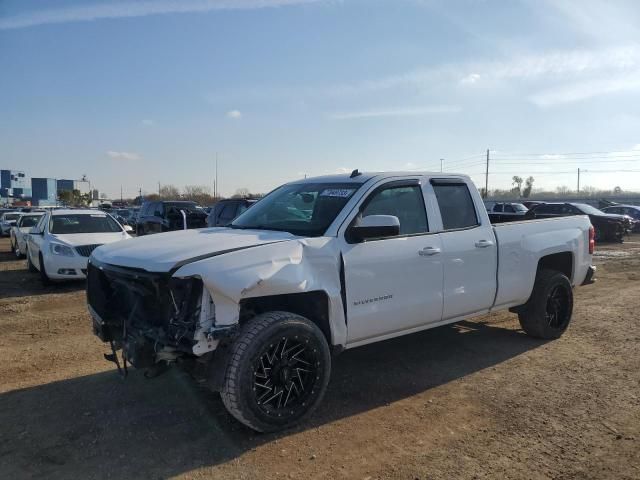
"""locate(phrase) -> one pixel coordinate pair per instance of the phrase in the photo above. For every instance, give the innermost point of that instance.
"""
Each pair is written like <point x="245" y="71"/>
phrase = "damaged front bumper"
<point x="152" y="317"/>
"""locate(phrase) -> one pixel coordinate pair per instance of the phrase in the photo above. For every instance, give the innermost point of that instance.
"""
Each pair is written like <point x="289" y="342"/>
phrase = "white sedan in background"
<point x="20" y="232"/>
<point x="60" y="244"/>
<point x="8" y="220"/>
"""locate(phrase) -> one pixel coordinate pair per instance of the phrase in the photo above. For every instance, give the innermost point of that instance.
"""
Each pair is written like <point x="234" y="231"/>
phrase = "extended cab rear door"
<point x="392" y="284"/>
<point x="469" y="250"/>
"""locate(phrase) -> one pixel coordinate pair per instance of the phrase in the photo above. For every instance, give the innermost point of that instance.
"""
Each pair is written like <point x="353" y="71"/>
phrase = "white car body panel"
<point x="391" y="288"/>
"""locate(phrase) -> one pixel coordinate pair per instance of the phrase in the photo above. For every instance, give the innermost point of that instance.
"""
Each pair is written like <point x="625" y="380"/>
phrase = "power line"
<point x="568" y="154"/>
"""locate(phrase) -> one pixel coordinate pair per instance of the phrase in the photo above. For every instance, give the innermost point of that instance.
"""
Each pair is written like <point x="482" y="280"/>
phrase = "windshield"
<point x="123" y="213"/>
<point x="29" y="221"/>
<point x="83" y="223"/>
<point x="519" y="207"/>
<point x="588" y="209"/>
<point x="10" y="216"/>
<point x="305" y="209"/>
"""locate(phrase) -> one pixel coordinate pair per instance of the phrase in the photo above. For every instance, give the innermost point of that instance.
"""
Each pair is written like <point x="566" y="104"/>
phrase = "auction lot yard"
<point x="475" y="400"/>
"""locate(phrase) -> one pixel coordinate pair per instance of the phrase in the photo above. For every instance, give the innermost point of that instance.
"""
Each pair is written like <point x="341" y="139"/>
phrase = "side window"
<point x="456" y="205"/>
<point x="404" y="202"/>
<point x="157" y="209"/>
<point x="509" y="209"/>
<point x="498" y="207"/>
<point x="41" y="224"/>
<point x="241" y="209"/>
<point x="228" y="212"/>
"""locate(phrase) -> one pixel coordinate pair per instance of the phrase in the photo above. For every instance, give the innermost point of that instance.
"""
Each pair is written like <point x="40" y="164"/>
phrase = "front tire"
<point x="46" y="281"/>
<point x="32" y="268"/>
<point x="16" y="250"/>
<point x="548" y="312"/>
<point x="278" y="371"/>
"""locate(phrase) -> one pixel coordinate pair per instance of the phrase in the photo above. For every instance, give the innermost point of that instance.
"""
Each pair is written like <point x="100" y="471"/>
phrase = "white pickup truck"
<point x="257" y="309"/>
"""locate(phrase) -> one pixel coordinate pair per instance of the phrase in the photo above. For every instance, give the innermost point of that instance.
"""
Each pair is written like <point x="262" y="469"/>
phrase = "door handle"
<point x="483" y="243"/>
<point x="428" y="251"/>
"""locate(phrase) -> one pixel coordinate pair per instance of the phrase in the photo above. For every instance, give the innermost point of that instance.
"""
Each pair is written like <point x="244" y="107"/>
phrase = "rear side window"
<point x="456" y="205"/>
<point x="228" y="212"/>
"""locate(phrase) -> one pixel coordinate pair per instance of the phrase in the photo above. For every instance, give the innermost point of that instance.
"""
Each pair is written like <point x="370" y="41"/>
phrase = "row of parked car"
<point x="165" y="216"/>
<point x="611" y="223"/>
<point x="57" y="242"/>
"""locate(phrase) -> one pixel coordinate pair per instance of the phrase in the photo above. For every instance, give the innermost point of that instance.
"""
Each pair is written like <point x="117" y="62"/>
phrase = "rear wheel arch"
<point x="560" y="262"/>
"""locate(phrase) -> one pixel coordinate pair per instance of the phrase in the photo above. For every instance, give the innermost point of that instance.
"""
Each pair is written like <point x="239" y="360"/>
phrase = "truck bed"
<point x="522" y="243"/>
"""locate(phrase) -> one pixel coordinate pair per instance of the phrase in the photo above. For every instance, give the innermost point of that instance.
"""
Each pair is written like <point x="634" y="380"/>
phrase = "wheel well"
<point x="560" y="262"/>
<point x="311" y="305"/>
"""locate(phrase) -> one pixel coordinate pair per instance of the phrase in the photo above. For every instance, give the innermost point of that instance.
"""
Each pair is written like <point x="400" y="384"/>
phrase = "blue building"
<point x="14" y="185"/>
<point x="44" y="192"/>
<point x="65" y="185"/>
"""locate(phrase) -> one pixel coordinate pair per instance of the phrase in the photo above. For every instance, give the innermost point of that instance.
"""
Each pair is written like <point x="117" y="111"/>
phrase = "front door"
<point x="393" y="284"/>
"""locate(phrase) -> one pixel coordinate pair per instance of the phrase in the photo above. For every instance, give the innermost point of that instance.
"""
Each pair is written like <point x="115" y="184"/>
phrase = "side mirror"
<point x="128" y="228"/>
<point x="375" y="226"/>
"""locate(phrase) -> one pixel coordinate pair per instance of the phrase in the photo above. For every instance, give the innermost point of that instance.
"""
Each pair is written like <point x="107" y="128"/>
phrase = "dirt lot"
<point x="475" y="400"/>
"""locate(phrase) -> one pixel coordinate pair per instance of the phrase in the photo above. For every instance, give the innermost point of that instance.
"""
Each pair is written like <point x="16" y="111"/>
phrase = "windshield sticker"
<point x="337" y="192"/>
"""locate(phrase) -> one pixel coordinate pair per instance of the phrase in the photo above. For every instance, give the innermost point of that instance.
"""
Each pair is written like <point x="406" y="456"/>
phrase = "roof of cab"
<point x="363" y="177"/>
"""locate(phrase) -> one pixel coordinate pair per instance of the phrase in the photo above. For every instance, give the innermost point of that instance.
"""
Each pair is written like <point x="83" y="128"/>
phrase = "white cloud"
<point x="148" y="122"/>
<point x="577" y="91"/>
<point x="111" y="10"/>
<point x="470" y="79"/>
<point x="396" y="112"/>
<point x="234" y="114"/>
<point x="123" y="155"/>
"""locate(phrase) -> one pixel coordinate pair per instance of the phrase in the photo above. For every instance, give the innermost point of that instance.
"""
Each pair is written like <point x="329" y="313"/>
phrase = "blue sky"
<point x="136" y="93"/>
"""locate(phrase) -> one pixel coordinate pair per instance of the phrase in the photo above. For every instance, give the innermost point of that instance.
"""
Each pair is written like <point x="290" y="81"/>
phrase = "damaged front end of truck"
<point x="151" y="320"/>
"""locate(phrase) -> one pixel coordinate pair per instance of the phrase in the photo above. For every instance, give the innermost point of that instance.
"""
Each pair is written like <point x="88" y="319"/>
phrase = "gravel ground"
<point x="475" y="400"/>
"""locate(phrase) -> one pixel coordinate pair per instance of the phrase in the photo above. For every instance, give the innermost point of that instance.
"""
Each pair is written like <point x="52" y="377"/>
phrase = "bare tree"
<point x="169" y="192"/>
<point x="198" y="193"/>
<point x="526" y="193"/>
<point x="242" y="193"/>
<point x="517" y="181"/>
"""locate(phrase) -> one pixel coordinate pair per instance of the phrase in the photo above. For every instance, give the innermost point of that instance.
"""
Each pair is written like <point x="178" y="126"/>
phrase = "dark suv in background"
<point x="165" y="216"/>
<point x="607" y="227"/>
<point x="226" y="211"/>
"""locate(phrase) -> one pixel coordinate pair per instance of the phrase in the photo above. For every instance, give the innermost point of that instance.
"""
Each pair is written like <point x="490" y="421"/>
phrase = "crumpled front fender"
<point x="289" y="267"/>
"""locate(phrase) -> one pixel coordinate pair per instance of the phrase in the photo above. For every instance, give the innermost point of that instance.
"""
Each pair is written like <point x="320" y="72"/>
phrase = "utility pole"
<point x="140" y="195"/>
<point x="441" y="163"/>
<point x="486" y="177"/>
<point x="216" y="182"/>
<point x="120" y="193"/>
<point x="578" y="191"/>
<point x="158" y="188"/>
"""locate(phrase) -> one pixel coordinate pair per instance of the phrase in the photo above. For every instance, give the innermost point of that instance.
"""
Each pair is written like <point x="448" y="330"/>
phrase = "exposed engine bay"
<point x="153" y="318"/>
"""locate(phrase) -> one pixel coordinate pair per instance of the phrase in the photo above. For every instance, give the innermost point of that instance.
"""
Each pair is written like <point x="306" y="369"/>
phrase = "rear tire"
<point x="548" y="312"/>
<point x="278" y="371"/>
<point x="46" y="281"/>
